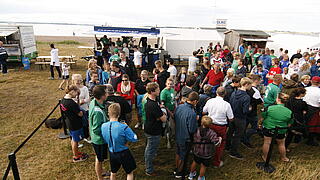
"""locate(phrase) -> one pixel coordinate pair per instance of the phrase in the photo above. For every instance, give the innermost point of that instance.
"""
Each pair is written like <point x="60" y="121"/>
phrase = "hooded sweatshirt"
<point x="240" y="102"/>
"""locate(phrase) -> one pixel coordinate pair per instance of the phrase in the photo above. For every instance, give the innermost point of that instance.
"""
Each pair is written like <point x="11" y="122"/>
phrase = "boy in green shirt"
<point x="97" y="117"/>
<point x="167" y="95"/>
<point x="272" y="91"/>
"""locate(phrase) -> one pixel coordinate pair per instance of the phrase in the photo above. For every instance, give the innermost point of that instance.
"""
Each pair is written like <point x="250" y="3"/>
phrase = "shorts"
<point x="66" y="77"/>
<point x="269" y="133"/>
<point x="183" y="149"/>
<point x="124" y="159"/>
<point x="77" y="135"/>
<point x="101" y="151"/>
<point x="200" y="160"/>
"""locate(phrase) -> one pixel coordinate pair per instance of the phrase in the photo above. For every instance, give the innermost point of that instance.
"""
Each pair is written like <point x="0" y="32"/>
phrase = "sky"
<point x="283" y="15"/>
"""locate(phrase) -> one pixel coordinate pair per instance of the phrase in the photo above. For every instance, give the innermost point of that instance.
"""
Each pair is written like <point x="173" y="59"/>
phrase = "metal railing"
<point x="12" y="156"/>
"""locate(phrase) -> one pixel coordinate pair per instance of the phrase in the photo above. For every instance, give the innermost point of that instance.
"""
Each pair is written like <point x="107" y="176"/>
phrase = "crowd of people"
<point x="211" y="107"/>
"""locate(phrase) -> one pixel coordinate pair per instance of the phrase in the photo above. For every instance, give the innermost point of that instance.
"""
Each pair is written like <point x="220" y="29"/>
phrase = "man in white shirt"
<point x="172" y="70"/>
<point x="193" y="61"/>
<point x="137" y="57"/>
<point x="304" y="59"/>
<point x="54" y="61"/>
<point x="312" y="98"/>
<point x="125" y="49"/>
<point x="220" y="111"/>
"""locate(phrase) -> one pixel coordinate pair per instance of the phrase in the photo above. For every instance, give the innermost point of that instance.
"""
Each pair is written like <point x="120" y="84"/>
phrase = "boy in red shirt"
<point x="275" y="69"/>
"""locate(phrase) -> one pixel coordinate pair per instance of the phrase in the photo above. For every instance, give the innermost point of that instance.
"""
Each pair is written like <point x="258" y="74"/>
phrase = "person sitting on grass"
<point x="97" y="117"/>
<point x="73" y="114"/>
<point x="117" y="135"/>
<point x="276" y="116"/>
<point x="65" y="74"/>
<point x="203" y="153"/>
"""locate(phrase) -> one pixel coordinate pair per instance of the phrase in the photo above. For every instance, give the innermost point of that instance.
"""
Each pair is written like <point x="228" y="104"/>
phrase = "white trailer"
<point x="19" y="41"/>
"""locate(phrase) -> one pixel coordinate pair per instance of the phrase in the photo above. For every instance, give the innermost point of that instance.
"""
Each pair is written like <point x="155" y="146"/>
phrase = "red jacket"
<point x="129" y="96"/>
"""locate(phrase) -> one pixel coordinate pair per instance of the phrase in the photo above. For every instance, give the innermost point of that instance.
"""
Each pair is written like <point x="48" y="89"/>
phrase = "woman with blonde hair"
<point x="305" y="81"/>
<point x="228" y="78"/>
<point x="93" y="66"/>
<point x="83" y="100"/>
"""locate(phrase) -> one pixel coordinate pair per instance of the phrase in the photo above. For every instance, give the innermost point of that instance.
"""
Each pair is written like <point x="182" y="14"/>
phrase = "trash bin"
<point x="26" y="63"/>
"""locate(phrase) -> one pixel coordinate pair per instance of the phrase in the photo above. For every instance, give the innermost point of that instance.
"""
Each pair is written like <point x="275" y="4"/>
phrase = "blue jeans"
<point x="150" y="151"/>
<point x="139" y="104"/>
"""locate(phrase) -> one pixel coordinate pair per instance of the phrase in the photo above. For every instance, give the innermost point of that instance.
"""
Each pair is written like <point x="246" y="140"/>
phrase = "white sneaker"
<point x="220" y="165"/>
<point x="87" y="140"/>
<point x="80" y="145"/>
<point x="137" y="125"/>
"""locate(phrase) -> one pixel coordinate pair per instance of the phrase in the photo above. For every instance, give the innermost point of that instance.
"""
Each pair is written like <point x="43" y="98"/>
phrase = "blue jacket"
<point x="314" y="70"/>
<point x="186" y="122"/>
<point x="240" y="102"/>
<point x="266" y="59"/>
<point x="120" y="135"/>
<point x="88" y="77"/>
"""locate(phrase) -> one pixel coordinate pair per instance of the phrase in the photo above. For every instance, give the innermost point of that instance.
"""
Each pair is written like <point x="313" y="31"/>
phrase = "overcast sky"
<point x="291" y="15"/>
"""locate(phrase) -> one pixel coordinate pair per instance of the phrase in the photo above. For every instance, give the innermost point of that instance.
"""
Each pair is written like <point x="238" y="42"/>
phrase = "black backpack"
<point x="54" y="123"/>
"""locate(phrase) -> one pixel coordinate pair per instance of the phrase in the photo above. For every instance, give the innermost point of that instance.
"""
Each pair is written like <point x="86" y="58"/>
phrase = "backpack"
<point x="204" y="150"/>
<point x="54" y="123"/>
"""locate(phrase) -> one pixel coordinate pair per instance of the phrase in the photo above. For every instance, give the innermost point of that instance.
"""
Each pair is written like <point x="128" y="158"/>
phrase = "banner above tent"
<point x="126" y="30"/>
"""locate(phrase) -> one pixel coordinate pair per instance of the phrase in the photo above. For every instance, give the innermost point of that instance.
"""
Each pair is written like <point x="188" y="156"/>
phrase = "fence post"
<point x="14" y="167"/>
<point x="266" y="166"/>
<point x="65" y="133"/>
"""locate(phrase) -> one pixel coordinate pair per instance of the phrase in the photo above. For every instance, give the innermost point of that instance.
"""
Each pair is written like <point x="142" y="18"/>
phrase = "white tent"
<point x="181" y="42"/>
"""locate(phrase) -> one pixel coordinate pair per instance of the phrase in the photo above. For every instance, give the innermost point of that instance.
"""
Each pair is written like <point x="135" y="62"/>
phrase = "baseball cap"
<point x="116" y="50"/>
<point x="316" y="79"/>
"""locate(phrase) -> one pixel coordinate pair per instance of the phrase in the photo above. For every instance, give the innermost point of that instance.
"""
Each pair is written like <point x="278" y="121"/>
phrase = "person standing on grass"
<point x="219" y="112"/>
<point x="137" y="57"/>
<point x="162" y="76"/>
<point x="276" y="116"/>
<point x="73" y="114"/>
<point x="202" y="153"/>
<point x="117" y="135"/>
<point x="240" y="102"/>
<point x="54" y="61"/>
<point x="153" y="126"/>
<point x="65" y="74"/>
<point x="97" y="117"/>
<point x="140" y="91"/>
<point x="193" y="61"/>
<point x="252" y="118"/>
<point x="186" y="119"/>
<point x="214" y="77"/>
<point x="312" y="98"/>
<point x="84" y="100"/>
<point x="272" y="91"/>
<point x="3" y="58"/>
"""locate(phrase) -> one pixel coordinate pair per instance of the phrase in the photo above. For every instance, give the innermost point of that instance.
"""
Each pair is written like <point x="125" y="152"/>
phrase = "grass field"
<point x="26" y="97"/>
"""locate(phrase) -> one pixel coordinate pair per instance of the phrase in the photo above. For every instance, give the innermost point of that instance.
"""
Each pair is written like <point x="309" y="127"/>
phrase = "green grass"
<point x="66" y="42"/>
<point x="28" y="96"/>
